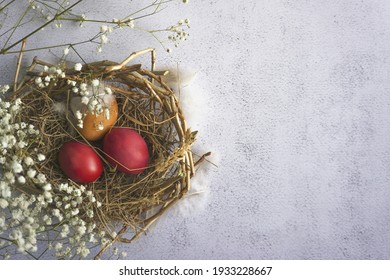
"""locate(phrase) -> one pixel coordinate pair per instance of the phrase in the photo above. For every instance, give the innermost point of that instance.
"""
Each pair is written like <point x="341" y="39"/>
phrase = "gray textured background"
<point x="293" y="98"/>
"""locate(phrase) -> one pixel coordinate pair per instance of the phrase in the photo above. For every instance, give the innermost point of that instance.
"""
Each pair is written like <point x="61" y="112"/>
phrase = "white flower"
<point x="85" y="100"/>
<point x="74" y="212"/>
<point x="94" y="103"/>
<point x="107" y="113"/>
<point x="21" y="180"/>
<point x="100" y="126"/>
<point x="78" y="66"/>
<point x="80" y="124"/>
<point x="58" y="246"/>
<point x="78" y="115"/>
<point x="47" y="187"/>
<point x="95" y="82"/>
<point x="41" y="157"/>
<point x="66" y="51"/>
<point x="5" y="191"/>
<point x="83" y="86"/>
<point x="10" y="177"/>
<point x="3" y="203"/>
<point x="104" y="39"/>
<point x="31" y="173"/>
<point x="103" y="28"/>
<point x="41" y="178"/>
<point x="75" y="89"/>
<point x="107" y="90"/>
<point x="17" y="167"/>
<point x="38" y="80"/>
<point x="131" y="24"/>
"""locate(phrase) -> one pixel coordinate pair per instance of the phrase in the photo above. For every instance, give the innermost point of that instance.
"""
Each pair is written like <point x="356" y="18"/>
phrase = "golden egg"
<point x="96" y="126"/>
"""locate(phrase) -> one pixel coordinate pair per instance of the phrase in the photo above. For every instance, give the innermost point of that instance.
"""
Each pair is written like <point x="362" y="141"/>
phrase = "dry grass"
<point x="146" y="104"/>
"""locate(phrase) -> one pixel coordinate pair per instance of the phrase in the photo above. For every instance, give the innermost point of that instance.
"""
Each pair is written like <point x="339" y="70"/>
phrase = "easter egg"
<point x="126" y="150"/>
<point x="95" y="126"/>
<point x="80" y="162"/>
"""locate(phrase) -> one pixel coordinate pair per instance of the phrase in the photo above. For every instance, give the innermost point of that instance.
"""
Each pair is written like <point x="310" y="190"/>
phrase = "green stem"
<point x="4" y="50"/>
<point x="9" y="3"/>
<point x="16" y="25"/>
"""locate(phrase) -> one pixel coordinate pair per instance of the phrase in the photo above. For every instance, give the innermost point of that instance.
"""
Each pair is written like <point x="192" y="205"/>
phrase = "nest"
<point x="130" y="203"/>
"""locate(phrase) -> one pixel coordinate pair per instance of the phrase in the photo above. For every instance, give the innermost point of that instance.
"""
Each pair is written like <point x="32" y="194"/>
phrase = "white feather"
<point x="59" y="107"/>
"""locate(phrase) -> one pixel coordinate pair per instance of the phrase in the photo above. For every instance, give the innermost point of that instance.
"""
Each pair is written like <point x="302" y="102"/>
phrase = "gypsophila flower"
<point x="95" y="82"/>
<point x="21" y="180"/>
<point x="100" y="126"/>
<point x="78" y="115"/>
<point x="78" y="66"/>
<point x="83" y="87"/>
<point x="107" y="90"/>
<point x="41" y="157"/>
<point x="17" y="167"/>
<point x="31" y="173"/>
<point x="85" y="100"/>
<point x="3" y="203"/>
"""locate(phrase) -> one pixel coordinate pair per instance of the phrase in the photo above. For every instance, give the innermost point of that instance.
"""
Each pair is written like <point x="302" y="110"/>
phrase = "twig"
<point x="5" y="49"/>
<point x="19" y="64"/>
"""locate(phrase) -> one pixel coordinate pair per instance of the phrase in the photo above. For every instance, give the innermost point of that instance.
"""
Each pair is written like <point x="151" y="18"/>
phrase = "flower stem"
<point x="5" y="49"/>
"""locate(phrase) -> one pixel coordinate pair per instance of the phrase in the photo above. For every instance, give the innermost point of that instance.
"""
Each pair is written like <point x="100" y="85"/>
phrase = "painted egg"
<point x="95" y="126"/>
<point x="80" y="162"/>
<point x="126" y="150"/>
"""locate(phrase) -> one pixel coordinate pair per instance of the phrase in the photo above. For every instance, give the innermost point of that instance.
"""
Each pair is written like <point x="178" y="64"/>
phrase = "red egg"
<point x="80" y="162"/>
<point x="126" y="150"/>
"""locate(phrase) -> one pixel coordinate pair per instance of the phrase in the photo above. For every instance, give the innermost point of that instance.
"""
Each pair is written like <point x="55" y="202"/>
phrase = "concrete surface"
<point x="293" y="98"/>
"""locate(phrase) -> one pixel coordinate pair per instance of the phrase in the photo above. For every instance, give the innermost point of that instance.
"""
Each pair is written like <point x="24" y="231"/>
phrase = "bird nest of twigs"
<point x="129" y="203"/>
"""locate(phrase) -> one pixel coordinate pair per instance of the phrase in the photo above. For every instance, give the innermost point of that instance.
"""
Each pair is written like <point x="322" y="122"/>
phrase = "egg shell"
<point x="91" y="122"/>
<point x="126" y="150"/>
<point x="80" y="162"/>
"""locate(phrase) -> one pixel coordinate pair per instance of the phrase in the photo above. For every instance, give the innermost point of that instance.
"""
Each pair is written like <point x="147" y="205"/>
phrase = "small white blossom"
<point x="107" y="90"/>
<point x="47" y="187"/>
<point x="21" y="180"/>
<point x="85" y="100"/>
<point x="104" y="39"/>
<point x="31" y="173"/>
<point x="78" y="115"/>
<point x="17" y="167"/>
<point x="95" y="82"/>
<point x="100" y="126"/>
<point x="78" y="66"/>
<point x="41" y="178"/>
<point x="41" y="157"/>
<point x="107" y="113"/>
<point x="28" y="161"/>
<point x="74" y="212"/>
<point x="83" y="86"/>
<point x="3" y="203"/>
<point x="66" y="51"/>
<point x="103" y="28"/>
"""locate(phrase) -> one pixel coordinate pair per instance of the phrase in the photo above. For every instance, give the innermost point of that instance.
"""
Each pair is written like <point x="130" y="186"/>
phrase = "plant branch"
<point x="5" y="50"/>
